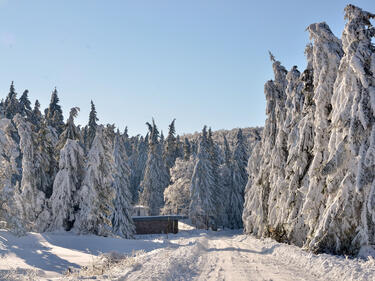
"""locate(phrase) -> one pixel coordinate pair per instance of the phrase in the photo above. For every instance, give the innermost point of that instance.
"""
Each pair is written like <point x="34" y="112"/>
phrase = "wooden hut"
<point x="156" y="224"/>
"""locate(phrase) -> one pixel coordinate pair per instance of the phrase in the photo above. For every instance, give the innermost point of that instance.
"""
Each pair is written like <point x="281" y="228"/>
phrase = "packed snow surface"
<point x="190" y="255"/>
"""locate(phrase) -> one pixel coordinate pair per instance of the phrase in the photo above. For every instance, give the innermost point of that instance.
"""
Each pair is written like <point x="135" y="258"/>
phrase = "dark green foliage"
<point x="11" y="104"/>
<point x="227" y="153"/>
<point x="137" y="163"/>
<point x="153" y="134"/>
<point x="238" y="182"/>
<point x="92" y="125"/>
<point x="179" y="148"/>
<point x="85" y="138"/>
<point x="170" y="152"/>
<point x="45" y="162"/>
<point x="156" y="177"/>
<point x="36" y="116"/>
<point x="25" y="104"/>
<point x="70" y="131"/>
<point x="213" y="151"/>
<point x="203" y="209"/>
<point x="187" y="149"/>
<point x="54" y="115"/>
<point x="128" y="145"/>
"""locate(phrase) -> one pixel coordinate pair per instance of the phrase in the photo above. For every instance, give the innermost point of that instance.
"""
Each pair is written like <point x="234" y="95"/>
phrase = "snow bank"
<point x="189" y="255"/>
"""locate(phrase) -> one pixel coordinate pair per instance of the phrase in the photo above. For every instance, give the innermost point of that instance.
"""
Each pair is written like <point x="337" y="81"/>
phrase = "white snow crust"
<point x="188" y="255"/>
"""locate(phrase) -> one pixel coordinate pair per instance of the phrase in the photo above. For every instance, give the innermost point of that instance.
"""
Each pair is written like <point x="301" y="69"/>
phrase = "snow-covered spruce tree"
<point x="239" y="179"/>
<point x="10" y="177"/>
<point x="134" y="178"/>
<point x="36" y="116"/>
<point x="71" y="131"/>
<point x="162" y="140"/>
<point x="267" y="160"/>
<point x="97" y="193"/>
<point x="11" y="104"/>
<point x="25" y="104"/>
<point x="122" y="223"/>
<point x="68" y="180"/>
<point x="46" y="166"/>
<point x="156" y="177"/>
<point x="226" y="180"/>
<point x="2" y="114"/>
<point x="203" y="210"/>
<point x="53" y="114"/>
<point x="179" y="148"/>
<point x="314" y="188"/>
<point x="187" y="149"/>
<point x="128" y="144"/>
<point x="324" y="57"/>
<point x="177" y="194"/>
<point x="30" y="199"/>
<point x="91" y="126"/>
<point x="347" y="223"/>
<point x="137" y="162"/>
<point x="170" y="151"/>
<point x="218" y="191"/>
<point x="227" y="152"/>
<point x="294" y="148"/>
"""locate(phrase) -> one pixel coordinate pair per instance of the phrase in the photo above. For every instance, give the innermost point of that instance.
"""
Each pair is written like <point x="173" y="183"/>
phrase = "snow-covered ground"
<point x="189" y="255"/>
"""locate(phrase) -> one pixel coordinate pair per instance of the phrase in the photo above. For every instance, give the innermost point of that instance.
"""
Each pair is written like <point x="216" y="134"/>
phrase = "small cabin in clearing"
<point x="156" y="224"/>
<point x="140" y="211"/>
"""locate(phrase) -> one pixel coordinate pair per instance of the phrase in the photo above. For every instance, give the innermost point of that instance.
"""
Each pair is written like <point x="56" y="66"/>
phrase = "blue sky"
<point x="199" y="61"/>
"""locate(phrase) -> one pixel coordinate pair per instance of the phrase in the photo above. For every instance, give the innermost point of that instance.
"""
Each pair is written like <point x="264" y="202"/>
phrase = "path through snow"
<point x="189" y="255"/>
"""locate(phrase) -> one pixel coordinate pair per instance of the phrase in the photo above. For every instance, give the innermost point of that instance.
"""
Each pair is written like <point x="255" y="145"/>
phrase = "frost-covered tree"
<point x="177" y="194"/>
<point x="203" y="209"/>
<point x="179" y="148"/>
<point x="122" y="222"/>
<point x="11" y="104"/>
<point x="311" y="177"/>
<point x="226" y="182"/>
<point x="31" y="200"/>
<point x="67" y="183"/>
<point x="170" y="150"/>
<point x="2" y="114"/>
<point x="347" y="222"/>
<point x="25" y="104"/>
<point x="162" y="140"/>
<point x="137" y="162"/>
<point x="238" y="182"/>
<point x="92" y="125"/>
<point x="187" y="149"/>
<point x="71" y="131"/>
<point x="128" y="145"/>
<point x="218" y="191"/>
<point x="54" y="115"/>
<point x="324" y="57"/>
<point x="97" y="193"/>
<point x="10" y="177"/>
<point x="268" y="159"/>
<point x="156" y="177"/>
<point x="227" y="153"/>
<point x="36" y="115"/>
<point x="46" y="166"/>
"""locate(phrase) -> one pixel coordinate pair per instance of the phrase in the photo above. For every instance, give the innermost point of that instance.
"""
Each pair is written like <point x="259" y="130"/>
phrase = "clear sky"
<point x="199" y="61"/>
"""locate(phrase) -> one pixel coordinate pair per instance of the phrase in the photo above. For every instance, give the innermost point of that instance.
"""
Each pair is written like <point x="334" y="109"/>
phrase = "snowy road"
<point x="232" y="259"/>
<point x="189" y="255"/>
<point x="230" y="256"/>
